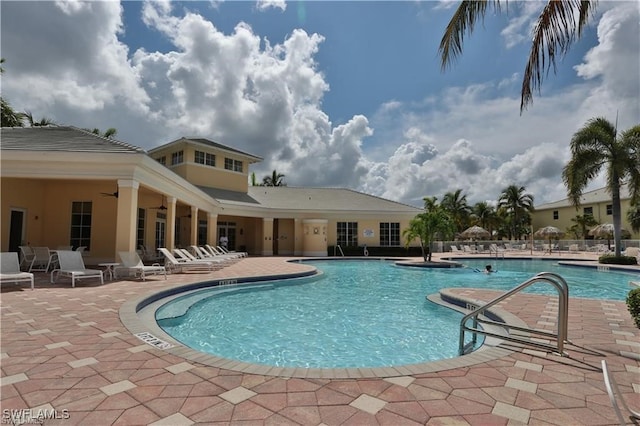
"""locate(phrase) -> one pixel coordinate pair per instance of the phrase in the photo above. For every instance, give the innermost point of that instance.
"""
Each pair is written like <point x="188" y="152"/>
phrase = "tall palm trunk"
<point x="616" y="213"/>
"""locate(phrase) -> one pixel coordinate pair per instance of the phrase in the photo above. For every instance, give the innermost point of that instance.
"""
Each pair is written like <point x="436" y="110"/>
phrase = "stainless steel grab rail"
<point x="563" y="312"/>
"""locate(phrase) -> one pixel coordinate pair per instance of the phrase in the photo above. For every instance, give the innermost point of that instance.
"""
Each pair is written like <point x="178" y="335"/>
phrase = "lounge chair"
<point x="72" y="265"/>
<point x="131" y="262"/>
<point x="216" y="252"/>
<point x="42" y="259"/>
<point x="469" y="249"/>
<point x="496" y="251"/>
<point x="174" y="264"/>
<point x="149" y="255"/>
<point x="455" y="249"/>
<point x="224" y="250"/>
<point x="10" y="269"/>
<point x="617" y="398"/>
<point x="26" y="256"/>
<point x="200" y="253"/>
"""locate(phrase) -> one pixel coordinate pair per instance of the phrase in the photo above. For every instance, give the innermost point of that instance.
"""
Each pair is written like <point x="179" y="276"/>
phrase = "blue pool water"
<point x="358" y="314"/>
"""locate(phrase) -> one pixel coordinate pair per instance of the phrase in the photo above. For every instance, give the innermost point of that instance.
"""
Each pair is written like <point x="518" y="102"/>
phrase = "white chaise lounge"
<point x="72" y="266"/>
<point x="10" y="269"/>
<point x="174" y="264"/>
<point x="131" y="262"/>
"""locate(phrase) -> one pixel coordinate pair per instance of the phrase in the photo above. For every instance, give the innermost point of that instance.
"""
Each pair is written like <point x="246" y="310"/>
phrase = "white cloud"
<point x="271" y="4"/>
<point x="265" y="97"/>
<point x="96" y="76"/>
<point x="615" y="58"/>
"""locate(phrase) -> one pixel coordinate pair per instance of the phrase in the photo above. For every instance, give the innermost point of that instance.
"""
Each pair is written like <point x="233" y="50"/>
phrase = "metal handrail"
<point x="563" y="312"/>
<point x="337" y="247"/>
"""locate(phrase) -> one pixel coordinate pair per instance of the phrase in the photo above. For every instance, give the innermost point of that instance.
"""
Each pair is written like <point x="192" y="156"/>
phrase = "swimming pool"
<point x="358" y="314"/>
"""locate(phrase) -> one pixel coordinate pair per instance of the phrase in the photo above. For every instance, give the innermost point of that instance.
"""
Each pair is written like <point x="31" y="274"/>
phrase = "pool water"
<point x="357" y="314"/>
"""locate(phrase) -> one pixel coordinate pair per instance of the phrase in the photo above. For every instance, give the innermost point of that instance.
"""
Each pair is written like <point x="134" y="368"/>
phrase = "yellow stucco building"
<point x="596" y="203"/>
<point x="65" y="186"/>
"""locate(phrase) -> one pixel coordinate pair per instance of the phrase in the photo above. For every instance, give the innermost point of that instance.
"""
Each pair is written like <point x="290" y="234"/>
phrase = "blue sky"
<point x="346" y="94"/>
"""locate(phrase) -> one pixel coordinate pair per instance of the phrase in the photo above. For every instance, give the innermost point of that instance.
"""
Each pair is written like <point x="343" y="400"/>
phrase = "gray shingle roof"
<point x="211" y="144"/>
<point x="228" y="196"/>
<point x="60" y="138"/>
<point x="322" y="199"/>
<point x="599" y="195"/>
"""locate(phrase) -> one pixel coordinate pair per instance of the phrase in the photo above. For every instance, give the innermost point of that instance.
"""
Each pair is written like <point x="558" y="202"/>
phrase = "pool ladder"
<point x="560" y="337"/>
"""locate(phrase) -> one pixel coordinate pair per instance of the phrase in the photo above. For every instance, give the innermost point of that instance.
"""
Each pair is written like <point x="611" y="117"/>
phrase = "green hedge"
<point x="620" y="260"/>
<point x="633" y="303"/>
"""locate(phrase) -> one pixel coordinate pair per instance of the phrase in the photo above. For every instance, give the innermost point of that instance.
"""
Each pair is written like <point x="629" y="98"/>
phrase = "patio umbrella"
<point x="605" y="230"/>
<point x="549" y="232"/>
<point x="475" y="232"/>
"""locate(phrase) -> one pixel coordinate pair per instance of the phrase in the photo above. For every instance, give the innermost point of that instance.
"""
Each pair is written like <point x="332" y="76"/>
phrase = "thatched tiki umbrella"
<point x="475" y="232"/>
<point x="606" y="230"/>
<point x="549" y="232"/>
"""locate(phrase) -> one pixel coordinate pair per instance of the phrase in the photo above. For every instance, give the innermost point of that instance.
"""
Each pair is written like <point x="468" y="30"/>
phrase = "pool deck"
<point x="66" y="350"/>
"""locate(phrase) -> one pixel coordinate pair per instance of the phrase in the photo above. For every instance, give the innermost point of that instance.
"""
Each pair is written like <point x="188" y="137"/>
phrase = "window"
<point x="177" y="157"/>
<point x="347" y="234"/>
<point x="588" y="211"/>
<point x="205" y="158"/>
<point x="163" y="160"/>
<point x="231" y="164"/>
<point x="609" y="209"/>
<point x="555" y="215"/>
<point x="389" y="234"/>
<point x="140" y="228"/>
<point x="81" y="224"/>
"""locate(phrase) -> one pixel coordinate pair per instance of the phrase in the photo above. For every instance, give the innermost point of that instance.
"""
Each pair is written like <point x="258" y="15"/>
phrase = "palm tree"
<point x="276" y="179"/>
<point x="485" y="215"/>
<point x="597" y="145"/>
<point x="558" y="26"/>
<point x="455" y="204"/>
<point x="426" y="226"/>
<point x="581" y="225"/>
<point x="9" y="117"/>
<point x="108" y="134"/>
<point x="44" y="121"/>
<point x="518" y="206"/>
<point x="254" y="181"/>
<point x="633" y="216"/>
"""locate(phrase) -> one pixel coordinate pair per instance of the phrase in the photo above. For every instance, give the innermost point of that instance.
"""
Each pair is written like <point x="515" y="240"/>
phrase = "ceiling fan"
<point x="162" y="206"/>
<point x="110" y="194"/>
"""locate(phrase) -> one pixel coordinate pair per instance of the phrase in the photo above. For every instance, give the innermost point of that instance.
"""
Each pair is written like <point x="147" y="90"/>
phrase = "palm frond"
<point x="462" y="22"/>
<point x="554" y="32"/>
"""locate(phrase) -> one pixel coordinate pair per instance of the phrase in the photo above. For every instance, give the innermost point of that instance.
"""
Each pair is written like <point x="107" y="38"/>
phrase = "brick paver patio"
<point x="65" y="353"/>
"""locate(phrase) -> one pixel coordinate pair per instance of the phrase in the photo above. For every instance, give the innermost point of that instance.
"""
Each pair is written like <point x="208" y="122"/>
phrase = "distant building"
<point x="596" y="203"/>
<point x="65" y="186"/>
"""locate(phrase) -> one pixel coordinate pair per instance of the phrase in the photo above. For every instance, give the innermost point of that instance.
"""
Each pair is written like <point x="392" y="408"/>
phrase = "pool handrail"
<point x="563" y="312"/>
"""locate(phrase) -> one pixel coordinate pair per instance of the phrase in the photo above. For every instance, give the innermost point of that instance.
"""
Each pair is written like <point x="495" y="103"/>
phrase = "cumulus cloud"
<point x="265" y="97"/>
<point x="615" y="59"/>
<point x="271" y="4"/>
<point x="96" y="76"/>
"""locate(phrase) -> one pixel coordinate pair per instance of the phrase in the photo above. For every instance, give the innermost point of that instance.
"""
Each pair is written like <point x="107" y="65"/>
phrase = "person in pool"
<point x="488" y="269"/>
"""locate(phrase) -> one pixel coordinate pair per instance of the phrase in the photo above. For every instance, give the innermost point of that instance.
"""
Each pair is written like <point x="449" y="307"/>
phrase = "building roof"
<point x="211" y="144"/>
<point x="600" y="195"/>
<point x="61" y="138"/>
<point x="323" y="199"/>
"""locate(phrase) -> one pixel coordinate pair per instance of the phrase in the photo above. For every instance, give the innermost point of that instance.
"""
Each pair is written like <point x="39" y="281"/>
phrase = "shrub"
<point x="618" y="260"/>
<point x="633" y="303"/>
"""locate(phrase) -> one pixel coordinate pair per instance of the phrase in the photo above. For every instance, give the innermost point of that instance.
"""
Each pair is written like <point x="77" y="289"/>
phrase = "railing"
<point x="337" y="247"/>
<point x="563" y="311"/>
